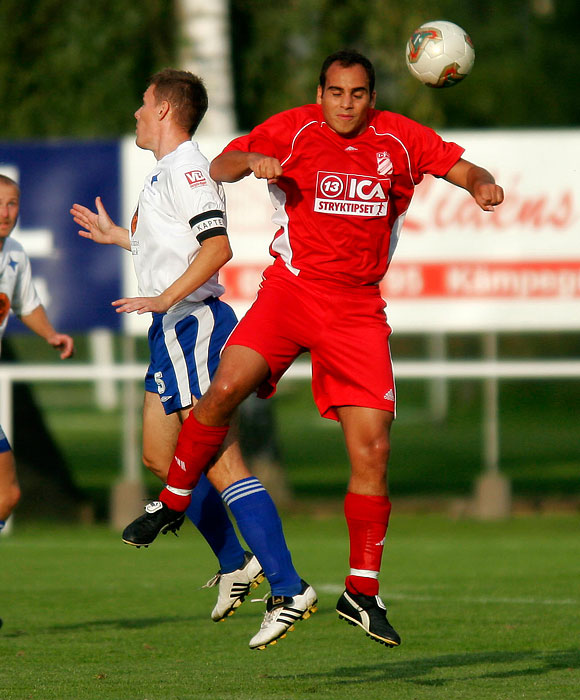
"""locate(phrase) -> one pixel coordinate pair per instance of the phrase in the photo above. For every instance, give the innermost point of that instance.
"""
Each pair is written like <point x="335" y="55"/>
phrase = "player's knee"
<point x="222" y="398"/>
<point x="372" y="456"/>
<point x="383" y="450"/>
<point x="9" y="499"/>
<point x="379" y="449"/>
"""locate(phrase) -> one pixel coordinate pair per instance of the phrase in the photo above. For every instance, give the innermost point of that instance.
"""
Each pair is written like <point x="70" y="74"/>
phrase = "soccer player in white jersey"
<point x="179" y="242"/>
<point x="341" y="175"/>
<point x="18" y="294"/>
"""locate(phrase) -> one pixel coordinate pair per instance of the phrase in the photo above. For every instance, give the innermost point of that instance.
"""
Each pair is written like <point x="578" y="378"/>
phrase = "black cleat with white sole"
<point x="370" y="613"/>
<point x="158" y="518"/>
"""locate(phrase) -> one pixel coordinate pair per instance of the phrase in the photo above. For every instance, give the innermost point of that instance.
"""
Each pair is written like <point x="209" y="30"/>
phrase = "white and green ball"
<point x="440" y="54"/>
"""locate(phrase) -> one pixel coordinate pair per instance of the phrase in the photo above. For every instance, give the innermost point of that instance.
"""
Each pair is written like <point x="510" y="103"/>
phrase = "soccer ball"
<point x="440" y="54"/>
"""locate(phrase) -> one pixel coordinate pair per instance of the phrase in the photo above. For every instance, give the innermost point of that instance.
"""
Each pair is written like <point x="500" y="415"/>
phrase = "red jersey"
<point x="340" y="203"/>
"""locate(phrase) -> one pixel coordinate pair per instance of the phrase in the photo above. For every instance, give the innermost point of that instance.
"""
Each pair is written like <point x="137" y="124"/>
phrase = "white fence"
<point x="404" y="369"/>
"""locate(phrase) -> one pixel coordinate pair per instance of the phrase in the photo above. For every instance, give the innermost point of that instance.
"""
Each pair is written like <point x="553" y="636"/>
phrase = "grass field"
<point x="486" y="611"/>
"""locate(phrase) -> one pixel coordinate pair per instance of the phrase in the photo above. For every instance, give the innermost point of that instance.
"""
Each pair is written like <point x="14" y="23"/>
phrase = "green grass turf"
<point x="485" y="610"/>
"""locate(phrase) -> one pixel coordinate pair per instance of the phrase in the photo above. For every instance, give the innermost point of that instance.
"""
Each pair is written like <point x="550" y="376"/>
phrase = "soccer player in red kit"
<point x="341" y="175"/>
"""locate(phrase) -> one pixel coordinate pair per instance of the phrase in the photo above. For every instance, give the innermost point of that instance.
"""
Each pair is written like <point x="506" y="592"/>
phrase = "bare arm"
<point x="38" y="322"/>
<point x="478" y="182"/>
<point x="235" y="165"/>
<point x="214" y="254"/>
<point x="98" y="226"/>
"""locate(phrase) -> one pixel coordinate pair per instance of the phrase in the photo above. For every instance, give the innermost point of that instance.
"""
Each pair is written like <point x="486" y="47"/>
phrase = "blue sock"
<point x="261" y="527"/>
<point x="207" y="512"/>
<point x="2" y="523"/>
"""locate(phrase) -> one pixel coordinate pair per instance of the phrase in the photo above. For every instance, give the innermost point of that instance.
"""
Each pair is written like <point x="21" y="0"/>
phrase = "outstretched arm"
<point x="38" y="322"/>
<point x="478" y="182"/>
<point x="98" y="226"/>
<point x="234" y="165"/>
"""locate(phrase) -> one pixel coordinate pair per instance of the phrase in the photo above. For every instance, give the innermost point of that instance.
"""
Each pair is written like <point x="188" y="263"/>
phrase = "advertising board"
<point x="455" y="269"/>
<point x="75" y="278"/>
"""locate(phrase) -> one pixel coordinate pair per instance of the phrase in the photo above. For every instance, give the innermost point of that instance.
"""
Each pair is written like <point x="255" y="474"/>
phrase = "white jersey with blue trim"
<point x="17" y="291"/>
<point x="179" y="207"/>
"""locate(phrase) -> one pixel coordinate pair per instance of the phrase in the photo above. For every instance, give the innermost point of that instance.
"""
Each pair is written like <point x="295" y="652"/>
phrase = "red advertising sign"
<point x="456" y="267"/>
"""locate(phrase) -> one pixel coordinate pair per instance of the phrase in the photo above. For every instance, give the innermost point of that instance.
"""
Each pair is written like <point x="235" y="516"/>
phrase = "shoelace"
<point x="213" y="581"/>
<point x="269" y="617"/>
<point x="261" y="600"/>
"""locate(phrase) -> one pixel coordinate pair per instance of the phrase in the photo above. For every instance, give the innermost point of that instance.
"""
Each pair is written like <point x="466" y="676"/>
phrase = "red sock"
<point x="367" y="518"/>
<point x="197" y="444"/>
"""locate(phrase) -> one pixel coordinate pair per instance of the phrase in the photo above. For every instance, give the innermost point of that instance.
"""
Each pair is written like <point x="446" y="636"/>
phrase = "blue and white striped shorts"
<point x="4" y="444"/>
<point x="185" y="347"/>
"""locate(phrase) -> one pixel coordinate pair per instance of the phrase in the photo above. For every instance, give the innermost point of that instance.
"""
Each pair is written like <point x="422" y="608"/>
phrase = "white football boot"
<point x="281" y="614"/>
<point x="235" y="586"/>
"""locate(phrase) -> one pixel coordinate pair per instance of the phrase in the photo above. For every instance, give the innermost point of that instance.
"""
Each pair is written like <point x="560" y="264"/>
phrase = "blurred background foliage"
<point x="523" y="74"/>
<point x="78" y="69"/>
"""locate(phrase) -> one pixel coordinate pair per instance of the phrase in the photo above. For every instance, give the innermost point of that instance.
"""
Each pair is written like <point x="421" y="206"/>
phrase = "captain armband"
<point x="208" y="224"/>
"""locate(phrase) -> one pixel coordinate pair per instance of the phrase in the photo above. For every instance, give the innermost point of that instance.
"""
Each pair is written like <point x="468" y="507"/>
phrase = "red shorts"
<point x="344" y="329"/>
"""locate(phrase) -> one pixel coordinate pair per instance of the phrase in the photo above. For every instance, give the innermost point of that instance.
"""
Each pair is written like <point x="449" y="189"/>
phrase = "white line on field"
<point x="334" y="589"/>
